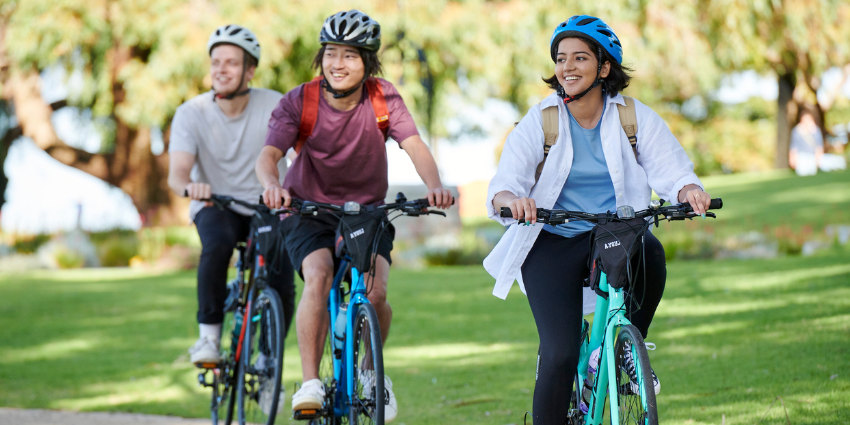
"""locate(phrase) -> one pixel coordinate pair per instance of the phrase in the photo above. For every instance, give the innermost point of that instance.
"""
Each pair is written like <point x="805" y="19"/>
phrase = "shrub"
<point x="30" y="244"/>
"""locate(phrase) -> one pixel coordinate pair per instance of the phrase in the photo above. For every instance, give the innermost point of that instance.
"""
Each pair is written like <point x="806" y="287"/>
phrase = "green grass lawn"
<point x="731" y="336"/>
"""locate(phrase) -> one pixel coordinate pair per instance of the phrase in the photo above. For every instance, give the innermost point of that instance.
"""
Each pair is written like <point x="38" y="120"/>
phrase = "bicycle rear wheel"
<point x="262" y="361"/>
<point x="368" y="397"/>
<point x="635" y="397"/>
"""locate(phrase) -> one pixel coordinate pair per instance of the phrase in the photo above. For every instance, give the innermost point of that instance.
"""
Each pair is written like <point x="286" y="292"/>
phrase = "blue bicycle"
<point x="352" y="366"/>
<point x="620" y="373"/>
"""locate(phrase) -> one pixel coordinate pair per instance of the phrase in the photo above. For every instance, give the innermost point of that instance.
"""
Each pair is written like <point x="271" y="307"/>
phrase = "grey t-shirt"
<point x="225" y="148"/>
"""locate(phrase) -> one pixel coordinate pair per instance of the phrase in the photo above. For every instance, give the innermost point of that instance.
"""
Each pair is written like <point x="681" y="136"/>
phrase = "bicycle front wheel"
<point x="262" y="361"/>
<point x="224" y="377"/>
<point x="635" y="389"/>
<point x="368" y="397"/>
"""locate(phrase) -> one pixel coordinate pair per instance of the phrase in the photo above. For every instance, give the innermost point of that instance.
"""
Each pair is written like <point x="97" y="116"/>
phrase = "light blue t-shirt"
<point x="588" y="187"/>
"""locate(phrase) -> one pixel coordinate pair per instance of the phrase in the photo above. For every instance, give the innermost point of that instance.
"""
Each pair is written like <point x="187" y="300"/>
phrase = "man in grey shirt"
<point x="215" y="140"/>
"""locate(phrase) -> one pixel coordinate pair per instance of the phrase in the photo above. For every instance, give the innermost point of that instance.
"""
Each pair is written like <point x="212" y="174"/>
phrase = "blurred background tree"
<point x="131" y="63"/>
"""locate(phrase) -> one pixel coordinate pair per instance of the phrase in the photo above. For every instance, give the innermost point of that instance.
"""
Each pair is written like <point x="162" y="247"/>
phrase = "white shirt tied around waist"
<point x="662" y="165"/>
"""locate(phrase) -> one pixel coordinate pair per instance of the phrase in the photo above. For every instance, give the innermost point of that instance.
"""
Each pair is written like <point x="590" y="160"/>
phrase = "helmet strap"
<point x="598" y="81"/>
<point x="241" y="80"/>
<point x="339" y="95"/>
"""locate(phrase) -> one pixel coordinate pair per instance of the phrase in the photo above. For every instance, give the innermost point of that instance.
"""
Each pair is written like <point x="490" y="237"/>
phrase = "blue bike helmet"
<point x="592" y="27"/>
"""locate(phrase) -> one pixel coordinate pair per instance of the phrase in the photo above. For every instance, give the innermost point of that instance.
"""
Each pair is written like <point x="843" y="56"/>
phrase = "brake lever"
<point x="437" y="212"/>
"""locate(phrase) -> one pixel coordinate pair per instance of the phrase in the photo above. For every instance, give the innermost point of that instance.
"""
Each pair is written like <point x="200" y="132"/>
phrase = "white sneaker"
<point x="391" y="408"/>
<point x="205" y="350"/>
<point x="311" y="395"/>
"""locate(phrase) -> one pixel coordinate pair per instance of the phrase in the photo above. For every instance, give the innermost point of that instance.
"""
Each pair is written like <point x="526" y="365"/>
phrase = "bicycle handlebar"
<point x="413" y="208"/>
<point x="671" y="212"/>
<point x="225" y="200"/>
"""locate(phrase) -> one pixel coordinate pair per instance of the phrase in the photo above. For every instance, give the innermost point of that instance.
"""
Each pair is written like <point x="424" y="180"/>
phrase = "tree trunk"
<point x="131" y="165"/>
<point x="784" y="122"/>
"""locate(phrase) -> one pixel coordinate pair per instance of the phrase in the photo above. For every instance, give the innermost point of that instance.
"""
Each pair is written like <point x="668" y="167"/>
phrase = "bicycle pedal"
<point x="306" y="414"/>
<point x="206" y="365"/>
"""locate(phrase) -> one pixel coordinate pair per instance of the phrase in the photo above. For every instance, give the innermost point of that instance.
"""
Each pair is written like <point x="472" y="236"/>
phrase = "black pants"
<point x="220" y="231"/>
<point x="553" y="274"/>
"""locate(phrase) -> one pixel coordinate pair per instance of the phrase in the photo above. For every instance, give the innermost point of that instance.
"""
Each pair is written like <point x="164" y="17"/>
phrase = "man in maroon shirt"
<point x="344" y="159"/>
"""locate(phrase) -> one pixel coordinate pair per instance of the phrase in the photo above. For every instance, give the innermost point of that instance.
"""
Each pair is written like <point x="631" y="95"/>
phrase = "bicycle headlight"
<point x="625" y="212"/>
<point x="351" y="207"/>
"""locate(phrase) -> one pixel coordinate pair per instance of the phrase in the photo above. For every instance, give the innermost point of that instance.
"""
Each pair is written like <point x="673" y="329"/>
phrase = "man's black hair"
<point x="371" y="61"/>
<point x="618" y="77"/>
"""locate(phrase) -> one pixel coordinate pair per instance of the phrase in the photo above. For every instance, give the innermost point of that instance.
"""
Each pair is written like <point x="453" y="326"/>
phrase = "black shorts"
<point x="305" y="234"/>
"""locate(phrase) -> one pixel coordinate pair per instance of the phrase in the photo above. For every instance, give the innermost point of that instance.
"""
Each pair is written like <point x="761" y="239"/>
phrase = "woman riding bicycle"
<point x="593" y="168"/>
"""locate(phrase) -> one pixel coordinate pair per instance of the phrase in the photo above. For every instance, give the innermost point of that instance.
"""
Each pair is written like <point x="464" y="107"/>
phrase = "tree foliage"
<point x="135" y="61"/>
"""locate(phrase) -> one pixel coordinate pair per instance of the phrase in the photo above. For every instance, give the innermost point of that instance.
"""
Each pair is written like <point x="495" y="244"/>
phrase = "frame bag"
<point x="355" y="236"/>
<point x="612" y="246"/>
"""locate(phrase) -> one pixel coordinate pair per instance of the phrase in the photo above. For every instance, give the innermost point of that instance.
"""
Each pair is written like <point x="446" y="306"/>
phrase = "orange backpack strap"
<point x="309" y="111"/>
<point x="379" y="104"/>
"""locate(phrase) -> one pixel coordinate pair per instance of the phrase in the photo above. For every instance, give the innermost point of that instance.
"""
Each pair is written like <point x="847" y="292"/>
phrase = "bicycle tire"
<point x="368" y="399"/>
<point x="259" y="381"/>
<point x="633" y="408"/>
<point x="224" y="377"/>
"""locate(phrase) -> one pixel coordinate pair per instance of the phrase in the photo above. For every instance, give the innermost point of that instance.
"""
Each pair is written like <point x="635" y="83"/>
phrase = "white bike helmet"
<point x="236" y="35"/>
<point x="351" y="28"/>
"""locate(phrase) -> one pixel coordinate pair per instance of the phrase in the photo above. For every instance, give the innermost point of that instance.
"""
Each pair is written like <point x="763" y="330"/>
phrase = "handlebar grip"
<point x="506" y="212"/>
<point x="185" y="193"/>
<point x="716" y="204"/>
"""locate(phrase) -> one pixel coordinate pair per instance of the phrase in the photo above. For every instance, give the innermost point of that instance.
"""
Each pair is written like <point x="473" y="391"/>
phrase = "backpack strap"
<point x="309" y="111"/>
<point x="550" y="135"/>
<point x="310" y="108"/>
<point x="628" y="119"/>
<point x="379" y="104"/>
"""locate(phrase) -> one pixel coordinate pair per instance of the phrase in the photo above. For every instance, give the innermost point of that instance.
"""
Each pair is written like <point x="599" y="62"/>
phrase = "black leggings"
<point x="553" y="274"/>
<point x="220" y="231"/>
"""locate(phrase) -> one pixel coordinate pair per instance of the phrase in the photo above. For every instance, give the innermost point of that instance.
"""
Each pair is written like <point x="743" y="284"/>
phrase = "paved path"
<point x="54" y="417"/>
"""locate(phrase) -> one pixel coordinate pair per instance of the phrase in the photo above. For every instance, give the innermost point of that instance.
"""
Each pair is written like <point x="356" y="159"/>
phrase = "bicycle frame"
<point x="343" y="366"/>
<point x="604" y="333"/>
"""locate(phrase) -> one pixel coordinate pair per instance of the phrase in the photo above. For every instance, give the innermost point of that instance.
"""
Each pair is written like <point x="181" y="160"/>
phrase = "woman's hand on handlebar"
<point x="699" y="199"/>
<point x="199" y="191"/>
<point x="276" y="197"/>
<point x="523" y="209"/>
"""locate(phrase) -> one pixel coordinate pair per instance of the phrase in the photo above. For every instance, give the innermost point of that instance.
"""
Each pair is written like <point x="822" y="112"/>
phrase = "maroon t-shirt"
<point x="345" y="158"/>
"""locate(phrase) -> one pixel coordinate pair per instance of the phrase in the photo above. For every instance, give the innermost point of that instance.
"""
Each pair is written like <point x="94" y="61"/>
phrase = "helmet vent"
<point x="617" y="43"/>
<point x="365" y="19"/>
<point x="342" y="27"/>
<point x="249" y="39"/>
<point x="236" y="31"/>
<point x="342" y="13"/>
<point x="604" y="32"/>
<point x="586" y="21"/>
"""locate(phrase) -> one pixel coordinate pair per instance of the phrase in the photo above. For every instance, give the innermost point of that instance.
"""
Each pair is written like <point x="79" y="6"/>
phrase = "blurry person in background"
<point x="806" y="150"/>
<point x="215" y="139"/>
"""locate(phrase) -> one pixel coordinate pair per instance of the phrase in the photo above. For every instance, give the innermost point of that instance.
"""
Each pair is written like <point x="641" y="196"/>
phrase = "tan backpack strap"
<point x="550" y="135"/>
<point x="628" y="119"/>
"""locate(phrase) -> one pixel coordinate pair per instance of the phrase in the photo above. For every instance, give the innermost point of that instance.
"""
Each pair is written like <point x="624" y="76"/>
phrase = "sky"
<point x="46" y="196"/>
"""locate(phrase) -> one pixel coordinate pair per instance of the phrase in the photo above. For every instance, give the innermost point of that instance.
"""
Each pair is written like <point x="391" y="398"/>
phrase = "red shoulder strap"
<point x="309" y="111"/>
<point x="379" y="104"/>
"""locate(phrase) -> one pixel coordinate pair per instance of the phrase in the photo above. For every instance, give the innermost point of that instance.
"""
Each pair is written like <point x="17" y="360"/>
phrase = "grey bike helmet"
<point x="236" y="35"/>
<point x="351" y="28"/>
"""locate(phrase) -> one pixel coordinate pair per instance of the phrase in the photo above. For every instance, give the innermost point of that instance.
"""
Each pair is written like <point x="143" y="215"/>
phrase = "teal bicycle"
<point x="623" y="376"/>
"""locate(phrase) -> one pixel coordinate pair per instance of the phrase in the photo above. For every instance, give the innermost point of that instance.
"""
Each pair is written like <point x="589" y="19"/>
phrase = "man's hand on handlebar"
<point x="199" y="191"/>
<point x="440" y="198"/>
<point x="276" y="197"/>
